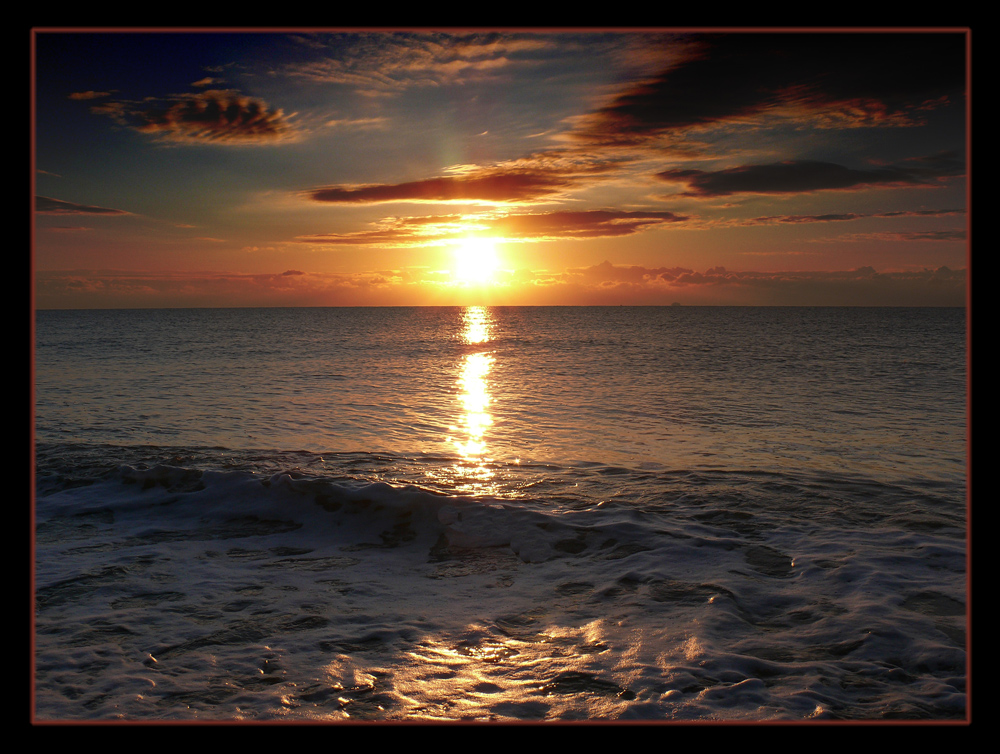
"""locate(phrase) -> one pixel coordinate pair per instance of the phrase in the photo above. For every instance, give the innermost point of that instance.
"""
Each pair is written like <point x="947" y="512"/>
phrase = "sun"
<point x="475" y="260"/>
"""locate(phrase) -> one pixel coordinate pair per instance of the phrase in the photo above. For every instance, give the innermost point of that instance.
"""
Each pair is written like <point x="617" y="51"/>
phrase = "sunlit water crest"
<point x="501" y="514"/>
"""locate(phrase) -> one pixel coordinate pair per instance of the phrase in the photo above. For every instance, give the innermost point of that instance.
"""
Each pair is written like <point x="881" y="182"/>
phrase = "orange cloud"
<point x="436" y="229"/>
<point x="603" y="284"/>
<point x="89" y="95"/>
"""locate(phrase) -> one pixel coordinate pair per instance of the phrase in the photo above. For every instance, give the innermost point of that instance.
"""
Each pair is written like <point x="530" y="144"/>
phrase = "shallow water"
<point x="501" y="514"/>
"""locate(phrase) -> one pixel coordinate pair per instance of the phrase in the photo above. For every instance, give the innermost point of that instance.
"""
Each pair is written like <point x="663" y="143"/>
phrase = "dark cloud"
<point x="46" y="206"/>
<point x="799" y="176"/>
<point x="828" y="218"/>
<point x="388" y="237"/>
<point x="935" y="166"/>
<point x="920" y="213"/>
<point x="491" y="187"/>
<point x="534" y="177"/>
<point x="214" y="116"/>
<point x="835" y="79"/>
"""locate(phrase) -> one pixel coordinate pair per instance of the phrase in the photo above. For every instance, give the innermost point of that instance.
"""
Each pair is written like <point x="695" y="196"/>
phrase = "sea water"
<point x="500" y="514"/>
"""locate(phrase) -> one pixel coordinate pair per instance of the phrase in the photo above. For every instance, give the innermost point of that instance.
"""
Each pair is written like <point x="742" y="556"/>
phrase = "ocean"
<point x="489" y="514"/>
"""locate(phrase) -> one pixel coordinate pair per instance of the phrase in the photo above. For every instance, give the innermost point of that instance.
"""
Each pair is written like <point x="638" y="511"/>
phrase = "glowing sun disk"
<point x="475" y="260"/>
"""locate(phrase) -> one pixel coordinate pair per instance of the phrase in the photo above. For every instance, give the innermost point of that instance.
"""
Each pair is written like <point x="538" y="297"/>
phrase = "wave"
<point x="658" y="594"/>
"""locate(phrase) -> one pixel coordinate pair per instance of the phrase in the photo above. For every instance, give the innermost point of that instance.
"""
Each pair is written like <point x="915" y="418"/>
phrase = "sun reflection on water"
<point x="518" y="668"/>
<point x="473" y="471"/>
<point x="475" y="400"/>
<point x="478" y="322"/>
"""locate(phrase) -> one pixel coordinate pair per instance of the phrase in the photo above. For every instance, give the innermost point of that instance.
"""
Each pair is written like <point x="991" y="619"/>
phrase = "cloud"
<point x="826" y="80"/>
<point x="214" y="116"/>
<point x="604" y="273"/>
<point x="920" y="213"/>
<point x="796" y="219"/>
<point x="89" y="95"/>
<point x="359" y="124"/>
<point x="384" y="63"/>
<point x="518" y="227"/>
<point x="490" y="186"/>
<point x="540" y="176"/>
<point x="803" y="176"/>
<point x="129" y="289"/>
<point x="580" y="224"/>
<point x="843" y="217"/>
<point x="610" y="284"/>
<point x="604" y="283"/>
<point x="908" y="235"/>
<point x="47" y="206"/>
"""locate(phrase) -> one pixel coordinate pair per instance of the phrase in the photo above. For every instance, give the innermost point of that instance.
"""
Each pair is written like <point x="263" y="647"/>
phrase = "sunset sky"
<point x="307" y="167"/>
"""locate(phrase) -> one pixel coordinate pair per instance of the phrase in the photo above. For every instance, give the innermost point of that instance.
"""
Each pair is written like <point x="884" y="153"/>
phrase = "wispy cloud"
<point x="843" y="217"/>
<point x="47" y="206"/>
<point x="359" y="124"/>
<point x="394" y="62"/>
<point x="903" y="235"/>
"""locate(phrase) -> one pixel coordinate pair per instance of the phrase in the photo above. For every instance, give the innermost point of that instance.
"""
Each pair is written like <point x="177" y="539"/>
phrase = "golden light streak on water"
<point x="478" y="324"/>
<point x="471" y="439"/>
